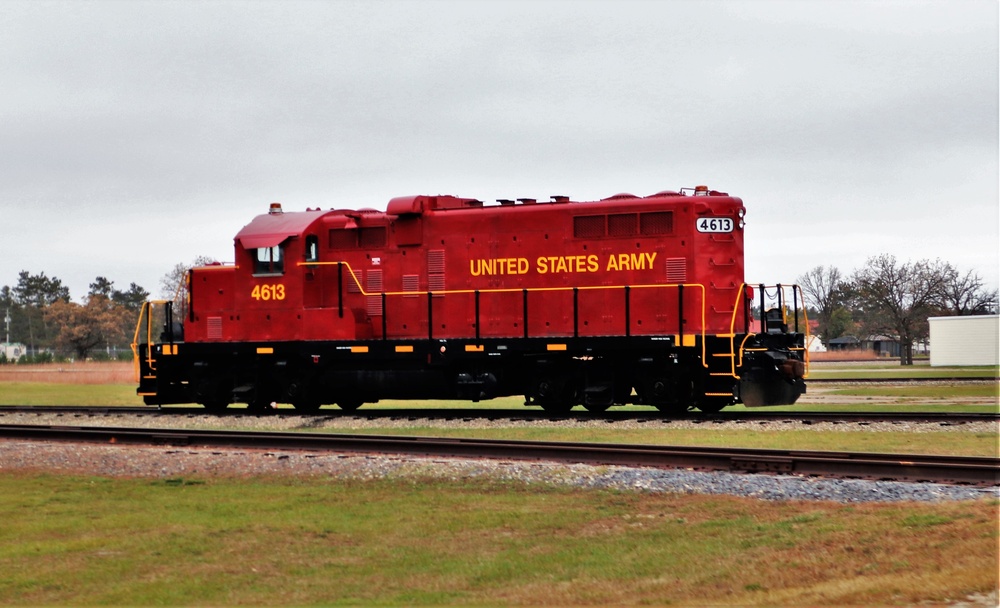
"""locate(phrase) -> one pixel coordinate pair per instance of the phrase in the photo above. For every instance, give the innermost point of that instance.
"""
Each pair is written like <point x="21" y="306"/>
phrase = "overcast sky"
<point x="138" y="135"/>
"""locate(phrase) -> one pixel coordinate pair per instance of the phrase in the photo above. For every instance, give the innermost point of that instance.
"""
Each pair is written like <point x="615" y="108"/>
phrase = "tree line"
<point x="892" y="298"/>
<point x="52" y="327"/>
<point x="885" y="296"/>
<point x="42" y="317"/>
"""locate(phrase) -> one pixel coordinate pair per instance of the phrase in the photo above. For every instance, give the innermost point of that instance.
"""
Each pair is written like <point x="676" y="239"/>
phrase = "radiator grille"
<point x="588" y="226"/>
<point x="622" y="224"/>
<point x="661" y="222"/>
<point x="372" y="238"/>
<point x="343" y="239"/>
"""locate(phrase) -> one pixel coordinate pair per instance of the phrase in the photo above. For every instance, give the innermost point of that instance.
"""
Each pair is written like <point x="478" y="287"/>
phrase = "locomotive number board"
<point x="714" y="224"/>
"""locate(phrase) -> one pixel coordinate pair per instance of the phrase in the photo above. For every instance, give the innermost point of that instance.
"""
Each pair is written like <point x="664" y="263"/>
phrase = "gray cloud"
<point x="178" y="122"/>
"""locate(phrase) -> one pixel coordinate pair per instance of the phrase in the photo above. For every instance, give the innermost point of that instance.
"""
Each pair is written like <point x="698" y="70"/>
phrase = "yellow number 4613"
<point x="268" y="292"/>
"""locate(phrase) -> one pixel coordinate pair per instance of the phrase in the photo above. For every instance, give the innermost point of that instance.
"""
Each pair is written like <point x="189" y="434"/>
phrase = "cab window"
<point x="269" y="260"/>
<point x="312" y="248"/>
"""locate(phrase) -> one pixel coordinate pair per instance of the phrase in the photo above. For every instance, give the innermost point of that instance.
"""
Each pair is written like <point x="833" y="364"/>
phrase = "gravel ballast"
<point x="171" y="462"/>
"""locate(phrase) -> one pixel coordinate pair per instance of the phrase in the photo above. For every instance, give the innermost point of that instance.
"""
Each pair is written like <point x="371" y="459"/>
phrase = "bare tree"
<point x="897" y="298"/>
<point x="174" y="287"/>
<point x="822" y="287"/>
<point x="966" y="294"/>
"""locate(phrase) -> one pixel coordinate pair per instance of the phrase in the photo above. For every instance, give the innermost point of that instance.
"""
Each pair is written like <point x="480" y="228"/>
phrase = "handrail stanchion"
<point x="628" y="312"/>
<point x="576" y="312"/>
<point x="477" y="315"/>
<point x="525" y="314"/>
<point x="680" y="314"/>
<point x="340" y="289"/>
<point x="430" y="315"/>
<point x="763" y="317"/>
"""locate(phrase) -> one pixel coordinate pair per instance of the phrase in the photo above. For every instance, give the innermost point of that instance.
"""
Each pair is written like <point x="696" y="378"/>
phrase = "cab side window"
<point x="312" y="248"/>
<point x="269" y="260"/>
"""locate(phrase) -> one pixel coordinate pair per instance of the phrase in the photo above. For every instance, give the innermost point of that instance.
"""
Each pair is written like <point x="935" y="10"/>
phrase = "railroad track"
<point x="977" y="471"/>
<point x="923" y="380"/>
<point x="651" y="416"/>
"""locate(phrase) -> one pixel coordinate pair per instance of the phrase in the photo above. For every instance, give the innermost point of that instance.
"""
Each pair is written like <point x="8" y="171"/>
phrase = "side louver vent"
<point x="676" y="270"/>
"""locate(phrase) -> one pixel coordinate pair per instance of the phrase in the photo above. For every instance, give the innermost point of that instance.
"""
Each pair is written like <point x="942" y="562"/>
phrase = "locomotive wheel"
<point x="554" y="395"/>
<point x="712" y="406"/>
<point x="672" y="408"/>
<point x="307" y="406"/>
<point x="556" y="407"/>
<point x="349" y="404"/>
<point x="259" y="406"/>
<point x="670" y="395"/>
<point x="216" y="406"/>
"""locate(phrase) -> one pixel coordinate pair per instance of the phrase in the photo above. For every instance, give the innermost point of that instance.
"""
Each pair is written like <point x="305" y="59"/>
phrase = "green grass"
<point x="70" y="540"/>
<point x="42" y="393"/>
<point x="52" y="393"/>
<point x="932" y="392"/>
<point x="957" y="443"/>
<point x="834" y="371"/>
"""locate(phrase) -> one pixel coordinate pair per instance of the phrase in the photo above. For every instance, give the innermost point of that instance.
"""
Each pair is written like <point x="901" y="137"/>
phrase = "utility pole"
<point x="6" y="321"/>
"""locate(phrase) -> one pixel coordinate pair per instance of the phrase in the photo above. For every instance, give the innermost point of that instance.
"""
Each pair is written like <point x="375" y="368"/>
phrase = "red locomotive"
<point x="626" y="300"/>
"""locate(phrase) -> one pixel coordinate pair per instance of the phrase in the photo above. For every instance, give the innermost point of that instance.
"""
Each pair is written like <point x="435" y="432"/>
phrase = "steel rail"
<point x="980" y="471"/>
<point x="468" y="414"/>
<point x="915" y="380"/>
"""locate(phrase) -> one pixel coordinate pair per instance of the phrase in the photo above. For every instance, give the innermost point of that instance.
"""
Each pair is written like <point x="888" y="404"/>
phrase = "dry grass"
<point x="848" y="355"/>
<point x="86" y="372"/>
<point x="275" y="541"/>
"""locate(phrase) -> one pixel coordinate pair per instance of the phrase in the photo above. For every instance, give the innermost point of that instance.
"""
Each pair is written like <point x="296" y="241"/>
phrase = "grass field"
<point x="72" y="540"/>
<point x="82" y="541"/>
<point x="833" y="370"/>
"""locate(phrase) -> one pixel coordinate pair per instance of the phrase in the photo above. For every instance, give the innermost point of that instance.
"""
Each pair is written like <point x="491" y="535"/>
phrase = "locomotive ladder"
<point x="775" y="318"/>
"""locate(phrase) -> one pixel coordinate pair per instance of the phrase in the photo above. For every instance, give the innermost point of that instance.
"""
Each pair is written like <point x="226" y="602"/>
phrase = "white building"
<point x="815" y="345"/>
<point x="970" y="340"/>
<point x="13" y="351"/>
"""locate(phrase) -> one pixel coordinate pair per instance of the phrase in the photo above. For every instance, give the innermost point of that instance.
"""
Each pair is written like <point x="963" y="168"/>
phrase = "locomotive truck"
<point x="625" y="300"/>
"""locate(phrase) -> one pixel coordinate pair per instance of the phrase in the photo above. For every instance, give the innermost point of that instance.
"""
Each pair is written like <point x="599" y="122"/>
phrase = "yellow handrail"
<point x="738" y="306"/>
<point x="363" y="292"/>
<point x="146" y="312"/>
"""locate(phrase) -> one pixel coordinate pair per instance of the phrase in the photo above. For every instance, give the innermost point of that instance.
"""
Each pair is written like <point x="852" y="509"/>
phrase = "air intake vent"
<point x="588" y="226"/>
<point x="214" y="328"/>
<point x="661" y="222"/>
<point x="411" y="282"/>
<point x="372" y="238"/>
<point x="435" y="270"/>
<point x="676" y="270"/>
<point x="623" y="224"/>
<point x="374" y="288"/>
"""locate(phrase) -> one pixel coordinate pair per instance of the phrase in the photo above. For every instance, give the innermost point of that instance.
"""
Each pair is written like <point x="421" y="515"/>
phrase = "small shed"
<point x="966" y="340"/>
<point x="882" y="346"/>
<point x="814" y="344"/>
<point x="12" y="351"/>
<point x="844" y="343"/>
